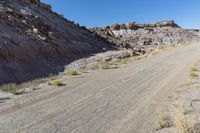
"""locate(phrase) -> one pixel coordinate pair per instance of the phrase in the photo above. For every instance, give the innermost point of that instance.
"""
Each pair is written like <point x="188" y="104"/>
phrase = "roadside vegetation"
<point x="116" y="63"/>
<point x="104" y="65"/>
<point x="182" y="124"/>
<point x="56" y="83"/>
<point x="108" y="64"/>
<point x="164" y="121"/>
<point x="12" y="88"/>
<point x="178" y="120"/>
<point x="112" y="64"/>
<point x="193" y="72"/>
<point x="72" y="72"/>
<point x="15" y="88"/>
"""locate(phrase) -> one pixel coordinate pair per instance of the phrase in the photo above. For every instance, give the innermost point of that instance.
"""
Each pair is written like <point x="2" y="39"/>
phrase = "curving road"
<point x="120" y="100"/>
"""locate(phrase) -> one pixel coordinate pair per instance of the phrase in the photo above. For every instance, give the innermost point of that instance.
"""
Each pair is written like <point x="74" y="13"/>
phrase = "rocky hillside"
<point x="143" y="36"/>
<point x="36" y="42"/>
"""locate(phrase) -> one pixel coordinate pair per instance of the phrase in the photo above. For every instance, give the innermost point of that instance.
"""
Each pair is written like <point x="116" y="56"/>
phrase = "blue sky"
<point x="93" y="13"/>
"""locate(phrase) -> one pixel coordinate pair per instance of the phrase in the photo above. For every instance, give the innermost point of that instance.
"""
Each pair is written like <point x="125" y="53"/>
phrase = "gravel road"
<point x="120" y="100"/>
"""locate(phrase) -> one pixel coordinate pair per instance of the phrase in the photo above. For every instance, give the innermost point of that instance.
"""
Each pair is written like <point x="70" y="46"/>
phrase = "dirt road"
<point x="120" y="100"/>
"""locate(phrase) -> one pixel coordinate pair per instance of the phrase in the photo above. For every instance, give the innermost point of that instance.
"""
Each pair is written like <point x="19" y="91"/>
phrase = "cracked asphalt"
<point x="120" y="100"/>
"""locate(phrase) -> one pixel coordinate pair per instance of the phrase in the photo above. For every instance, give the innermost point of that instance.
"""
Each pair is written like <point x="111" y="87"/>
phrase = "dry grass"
<point x="194" y="72"/>
<point x="179" y="120"/>
<point x="13" y="86"/>
<point x="193" y="68"/>
<point x="182" y="124"/>
<point x="121" y="61"/>
<point x="72" y="72"/>
<point x="173" y="45"/>
<point x="164" y="120"/>
<point x="115" y="63"/>
<point x="104" y="65"/>
<point x="93" y="67"/>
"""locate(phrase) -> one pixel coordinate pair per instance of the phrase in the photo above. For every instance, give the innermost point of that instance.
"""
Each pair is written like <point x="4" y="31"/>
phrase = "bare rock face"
<point x="166" y="24"/>
<point x="142" y="37"/>
<point x="35" y="42"/>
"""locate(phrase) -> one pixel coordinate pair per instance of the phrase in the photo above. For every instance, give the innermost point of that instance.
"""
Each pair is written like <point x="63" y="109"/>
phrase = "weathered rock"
<point x="34" y="1"/>
<point x="166" y="24"/>
<point x="122" y="26"/>
<point x="142" y="36"/>
<point x="45" y="6"/>
<point x="131" y="25"/>
<point x="115" y="27"/>
<point x="35" y="42"/>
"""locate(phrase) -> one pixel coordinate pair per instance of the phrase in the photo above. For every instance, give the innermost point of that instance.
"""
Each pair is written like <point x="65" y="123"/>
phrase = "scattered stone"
<point x="35" y="31"/>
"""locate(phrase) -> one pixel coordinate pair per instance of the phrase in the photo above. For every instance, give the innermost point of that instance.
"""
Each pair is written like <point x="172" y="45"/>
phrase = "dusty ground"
<point x="112" y="101"/>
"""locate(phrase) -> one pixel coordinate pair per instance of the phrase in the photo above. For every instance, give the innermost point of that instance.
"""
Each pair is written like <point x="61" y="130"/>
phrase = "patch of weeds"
<point x="84" y="70"/>
<point x="103" y="65"/>
<point x="182" y="124"/>
<point x="193" y="72"/>
<point x="164" y="121"/>
<point x="173" y="45"/>
<point x="193" y="68"/>
<point x="193" y="75"/>
<point x="72" y="72"/>
<point x="14" y="91"/>
<point x="12" y="88"/>
<point x="94" y="67"/>
<point x="56" y="83"/>
<point x="121" y="61"/>
<point x="162" y="47"/>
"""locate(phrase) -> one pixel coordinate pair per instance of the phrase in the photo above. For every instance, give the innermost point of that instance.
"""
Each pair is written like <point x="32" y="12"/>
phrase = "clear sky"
<point x="93" y="13"/>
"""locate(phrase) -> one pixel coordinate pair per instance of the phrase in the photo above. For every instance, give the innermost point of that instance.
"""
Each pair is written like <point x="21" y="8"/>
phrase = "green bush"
<point x="13" y="90"/>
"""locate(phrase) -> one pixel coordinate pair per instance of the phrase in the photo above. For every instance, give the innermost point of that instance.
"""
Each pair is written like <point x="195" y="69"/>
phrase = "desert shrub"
<point x="12" y="88"/>
<point x="121" y="61"/>
<point x="164" y="121"/>
<point x="193" y="72"/>
<point x="72" y="72"/>
<point x="56" y="83"/>
<point x="182" y="124"/>
<point x="103" y="65"/>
